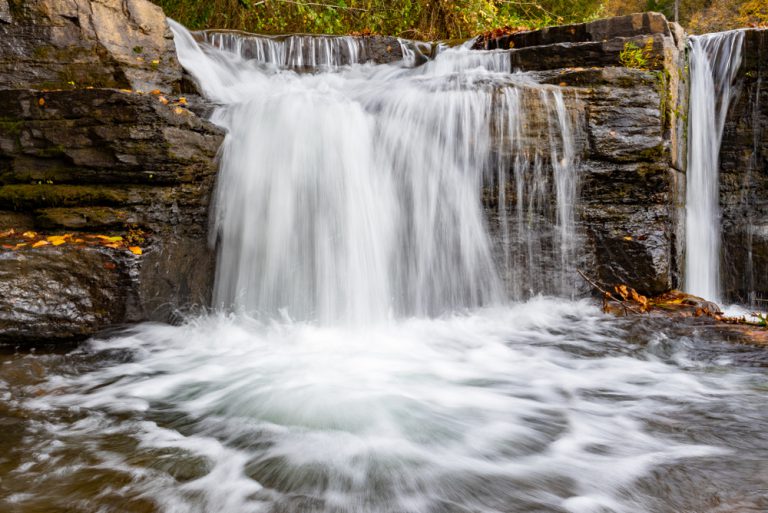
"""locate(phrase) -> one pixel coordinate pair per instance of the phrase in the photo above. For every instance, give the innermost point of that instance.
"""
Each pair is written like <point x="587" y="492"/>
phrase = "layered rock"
<point x="78" y="157"/>
<point x="744" y="179"/>
<point x="630" y="211"/>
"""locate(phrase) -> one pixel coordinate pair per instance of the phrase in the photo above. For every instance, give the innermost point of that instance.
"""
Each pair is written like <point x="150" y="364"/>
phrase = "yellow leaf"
<point x="126" y="91"/>
<point x="7" y="233"/>
<point x="113" y="246"/>
<point x="57" y="240"/>
<point x="41" y="101"/>
<point x="20" y="245"/>
<point x="29" y="235"/>
<point x="106" y="238"/>
<point x="135" y="250"/>
<point x="179" y="110"/>
<point x="163" y="100"/>
<point x="183" y="100"/>
<point x="40" y="243"/>
<point x="627" y="238"/>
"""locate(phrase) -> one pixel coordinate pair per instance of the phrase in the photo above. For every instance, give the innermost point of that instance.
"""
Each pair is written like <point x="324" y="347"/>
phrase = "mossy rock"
<point x="30" y="197"/>
<point x="83" y="218"/>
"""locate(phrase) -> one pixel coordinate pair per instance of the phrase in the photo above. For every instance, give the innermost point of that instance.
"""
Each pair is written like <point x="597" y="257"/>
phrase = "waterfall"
<point x="357" y="195"/>
<point x="714" y="62"/>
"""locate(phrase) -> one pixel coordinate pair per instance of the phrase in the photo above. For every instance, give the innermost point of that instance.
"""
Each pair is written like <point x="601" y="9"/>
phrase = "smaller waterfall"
<point x="714" y="62"/>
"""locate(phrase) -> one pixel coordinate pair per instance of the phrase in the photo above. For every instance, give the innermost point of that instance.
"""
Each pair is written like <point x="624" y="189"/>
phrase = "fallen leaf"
<point x="109" y="265"/>
<point x="20" y="245"/>
<point x="40" y="243"/>
<point x="113" y="246"/>
<point x="628" y="237"/>
<point x="7" y="233"/>
<point x="57" y="240"/>
<point x="135" y="250"/>
<point x="8" y="246"/>
<point x="110" y="239"/>
<point x="179" y="110"/>
<point x="163" y="100"/>
<point x="41" y="101"/>
<point x="182" y="101"/>
<point x="156" y="92"/>
<point x="29" y="235"/>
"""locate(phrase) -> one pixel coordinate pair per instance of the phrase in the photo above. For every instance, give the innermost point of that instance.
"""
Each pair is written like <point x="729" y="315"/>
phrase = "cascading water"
<point x="356" y="196"/>
<point x="366" y="360"/>
<point x="714" y="63"/>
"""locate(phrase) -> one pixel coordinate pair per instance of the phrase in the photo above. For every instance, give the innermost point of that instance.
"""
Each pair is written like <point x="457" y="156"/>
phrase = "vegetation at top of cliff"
<point x="446" y="19"/>
<point x="699" y="16"/>
<point x="417" y="19"/>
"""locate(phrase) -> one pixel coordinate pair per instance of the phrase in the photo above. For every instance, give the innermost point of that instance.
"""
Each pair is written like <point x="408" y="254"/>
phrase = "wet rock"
<point x="50" y="44"/>
<point x="744" y="180"/>
<point x="630" y="213"/>
<point x="87" y="157"/>
<point x="54" y="294"/>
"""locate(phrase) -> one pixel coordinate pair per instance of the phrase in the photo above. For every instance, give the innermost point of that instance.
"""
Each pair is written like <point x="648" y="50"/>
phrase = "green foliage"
<point x="632" y="56"/>
<point x="419" y="19"/>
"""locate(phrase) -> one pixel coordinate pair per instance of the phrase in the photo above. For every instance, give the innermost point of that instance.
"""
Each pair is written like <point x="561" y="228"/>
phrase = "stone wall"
<point x="632" y="184"/>
<point x="96" y="144"/>
<point x="744" y="179"/>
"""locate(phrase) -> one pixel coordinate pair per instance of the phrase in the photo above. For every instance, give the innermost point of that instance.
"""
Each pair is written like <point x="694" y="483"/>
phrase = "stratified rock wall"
<point x="744" y="180"/>
<point x="630" y="207"/>
<point x="93" y="141"/>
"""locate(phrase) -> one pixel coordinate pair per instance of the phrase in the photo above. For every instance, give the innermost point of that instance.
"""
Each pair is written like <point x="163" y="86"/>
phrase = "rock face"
<point x="51" y="44"/>
<point x="84" y="159"/>
<point x="630" y="211"/>
<point x="744" y="179"/>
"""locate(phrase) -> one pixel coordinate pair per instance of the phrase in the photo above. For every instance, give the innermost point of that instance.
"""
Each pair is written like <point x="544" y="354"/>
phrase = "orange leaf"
<point x="156" y="92"/>
<point x="40" y="243"/>
<point x="182" y="101"/>
<point x="8" y="246"/>
<point x="29" y="235"/>
<point x="20" y="245"/>
<point x="178" y="110"/>
<point x="7" y="233"/>
<point x="135" y="250"/>
<point x="41" y="101"/>
<point x="113" y="246"/>
<point x="163" y="100"/>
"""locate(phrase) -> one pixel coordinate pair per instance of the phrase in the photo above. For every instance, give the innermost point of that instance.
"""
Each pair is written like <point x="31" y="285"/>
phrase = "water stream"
<point x="714" y="62"/>
<point x="395" y="331"/>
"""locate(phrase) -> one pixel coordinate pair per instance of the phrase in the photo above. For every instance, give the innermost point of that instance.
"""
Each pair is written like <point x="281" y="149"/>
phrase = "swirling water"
<point x="372" y="353"/>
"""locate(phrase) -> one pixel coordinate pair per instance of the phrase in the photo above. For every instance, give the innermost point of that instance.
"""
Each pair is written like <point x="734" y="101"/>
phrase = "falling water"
<point x="356" y="195"/>
<point x="714" y="62"/>
<point x="367" y="217"/>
